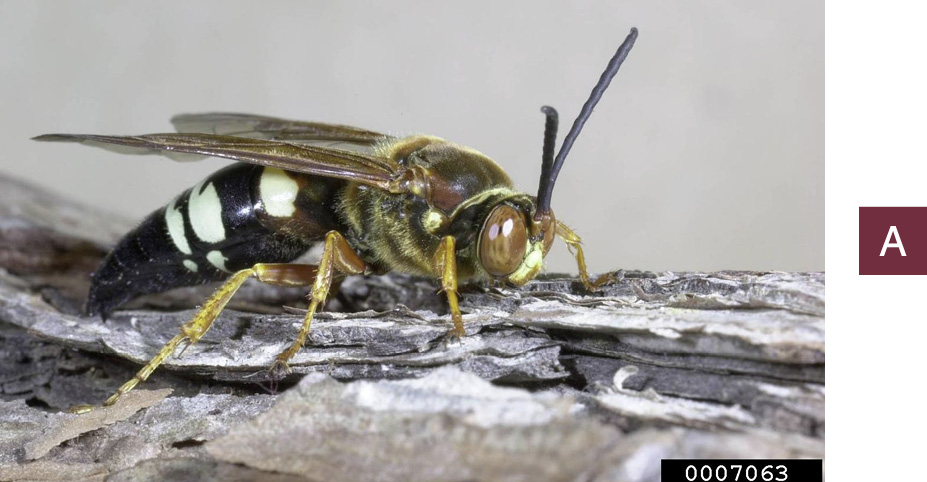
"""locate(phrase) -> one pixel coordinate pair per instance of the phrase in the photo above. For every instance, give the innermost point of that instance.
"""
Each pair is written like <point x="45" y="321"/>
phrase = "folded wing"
<point x="365" y="168"/>
<point x="274" y="128"/>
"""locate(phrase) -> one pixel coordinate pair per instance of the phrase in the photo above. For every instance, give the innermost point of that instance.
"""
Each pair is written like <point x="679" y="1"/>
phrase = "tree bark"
<point x="550" y="382"/>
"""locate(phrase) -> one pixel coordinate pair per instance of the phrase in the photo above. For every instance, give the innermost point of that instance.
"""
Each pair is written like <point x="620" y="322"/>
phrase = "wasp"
<point x="377" y="203"/>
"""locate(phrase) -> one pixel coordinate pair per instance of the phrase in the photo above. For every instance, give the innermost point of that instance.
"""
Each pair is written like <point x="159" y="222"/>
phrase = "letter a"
<point x="889" y="244"/>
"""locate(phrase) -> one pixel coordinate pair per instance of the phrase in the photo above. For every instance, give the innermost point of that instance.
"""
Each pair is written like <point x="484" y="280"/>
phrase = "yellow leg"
<point x="336" y="255"/>
<point x="192" y="331"/>
<point x="445" y="261"/>
<point x="574" y="244"/>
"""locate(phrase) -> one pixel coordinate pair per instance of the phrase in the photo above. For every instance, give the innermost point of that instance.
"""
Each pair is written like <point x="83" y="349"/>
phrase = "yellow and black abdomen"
<point x="239" y="216"/>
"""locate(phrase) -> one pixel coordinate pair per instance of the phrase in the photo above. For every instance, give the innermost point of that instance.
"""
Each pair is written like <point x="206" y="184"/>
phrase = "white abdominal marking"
<point x="278" y="192"/>
<point x="205" y="211"/>
<point x="174" y="219"/>
<point x="190" y="265"/>
<point x="217" y="259"/>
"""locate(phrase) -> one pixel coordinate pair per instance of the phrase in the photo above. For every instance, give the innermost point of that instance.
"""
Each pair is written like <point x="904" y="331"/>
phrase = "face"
<point x="512" y="246"/>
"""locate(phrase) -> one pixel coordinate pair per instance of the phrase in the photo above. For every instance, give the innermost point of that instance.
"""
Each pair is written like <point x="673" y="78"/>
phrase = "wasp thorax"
<point x="503" y="241"/>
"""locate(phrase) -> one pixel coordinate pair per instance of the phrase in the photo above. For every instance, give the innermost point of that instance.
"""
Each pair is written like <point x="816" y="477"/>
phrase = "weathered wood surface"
<point x="550" y="382"/>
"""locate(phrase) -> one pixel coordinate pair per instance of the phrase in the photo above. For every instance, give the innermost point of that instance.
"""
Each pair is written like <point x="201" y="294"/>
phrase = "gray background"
<point x="707" y="152"/>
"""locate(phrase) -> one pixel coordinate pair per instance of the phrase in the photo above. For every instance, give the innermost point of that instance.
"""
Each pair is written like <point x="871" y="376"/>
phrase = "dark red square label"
<point x="893" y="240"/>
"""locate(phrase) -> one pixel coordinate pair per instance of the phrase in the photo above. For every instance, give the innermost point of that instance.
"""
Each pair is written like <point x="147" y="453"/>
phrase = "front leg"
<point x="574" y="244"/>
<point x="445" y="261"/>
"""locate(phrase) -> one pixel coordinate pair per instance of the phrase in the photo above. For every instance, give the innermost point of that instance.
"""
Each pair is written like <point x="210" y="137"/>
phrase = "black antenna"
<point x="550" y="143"/>
<point x="549" y="176"/>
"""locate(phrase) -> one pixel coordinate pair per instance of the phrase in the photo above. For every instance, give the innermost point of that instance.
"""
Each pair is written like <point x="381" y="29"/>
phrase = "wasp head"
<point x="517" y="233"/>
<point x="512" y="244"/>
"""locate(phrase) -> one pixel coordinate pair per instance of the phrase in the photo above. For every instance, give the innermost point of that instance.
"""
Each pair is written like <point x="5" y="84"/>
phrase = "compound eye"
<point x="503" y="241"/>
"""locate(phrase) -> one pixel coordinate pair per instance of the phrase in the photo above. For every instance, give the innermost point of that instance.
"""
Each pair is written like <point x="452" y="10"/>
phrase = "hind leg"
<point x="193" y="330"/>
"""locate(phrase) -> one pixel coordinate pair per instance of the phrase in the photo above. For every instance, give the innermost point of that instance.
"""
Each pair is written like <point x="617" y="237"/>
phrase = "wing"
<point x="366" y="169"/>
<point x="273" y="128"/>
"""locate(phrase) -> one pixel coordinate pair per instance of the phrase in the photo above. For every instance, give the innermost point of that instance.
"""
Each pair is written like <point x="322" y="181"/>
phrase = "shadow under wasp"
<point x="420" y="205"/>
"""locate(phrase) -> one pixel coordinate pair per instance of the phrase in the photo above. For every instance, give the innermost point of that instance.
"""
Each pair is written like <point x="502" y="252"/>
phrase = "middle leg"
<point x="336" y="255"/>
<point x="445" y="260"/>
